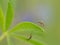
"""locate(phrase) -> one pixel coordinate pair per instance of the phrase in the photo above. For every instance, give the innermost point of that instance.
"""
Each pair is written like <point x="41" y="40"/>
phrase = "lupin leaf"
<point x="26" y="26"/>
<point x="2" y="20"/>
<point x="9" y="15"/>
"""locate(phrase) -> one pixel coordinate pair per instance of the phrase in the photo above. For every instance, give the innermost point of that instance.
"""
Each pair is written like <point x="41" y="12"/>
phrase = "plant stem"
<point x="3" y="36"/>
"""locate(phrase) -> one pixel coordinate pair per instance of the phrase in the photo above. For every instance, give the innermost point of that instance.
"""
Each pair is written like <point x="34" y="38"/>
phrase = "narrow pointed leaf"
<point x="1" y="20"/>
<point x="9" y="15"/>
<point x="26" y="26"/>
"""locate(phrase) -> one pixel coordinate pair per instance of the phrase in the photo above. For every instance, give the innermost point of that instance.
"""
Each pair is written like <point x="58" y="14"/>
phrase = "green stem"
<point x="3" y="36"/>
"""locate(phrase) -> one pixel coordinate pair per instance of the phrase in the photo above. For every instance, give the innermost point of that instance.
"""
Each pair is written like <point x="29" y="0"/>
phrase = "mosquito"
<point x="30" y="36"/>
<point x="41" y="23"/>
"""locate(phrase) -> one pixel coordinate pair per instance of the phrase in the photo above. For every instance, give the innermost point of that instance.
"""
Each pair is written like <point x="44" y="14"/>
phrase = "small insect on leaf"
<point x="41" y="23"/>
<point x="30" y="36"/>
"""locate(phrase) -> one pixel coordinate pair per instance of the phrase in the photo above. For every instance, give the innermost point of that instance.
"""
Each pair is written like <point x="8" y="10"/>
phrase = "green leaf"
<point x="21" y="29"/>
<point x="34" y="42"/>
<point x="26" y="26"/>
<point x="9" y="15"/>
<point x="2" y="21"/>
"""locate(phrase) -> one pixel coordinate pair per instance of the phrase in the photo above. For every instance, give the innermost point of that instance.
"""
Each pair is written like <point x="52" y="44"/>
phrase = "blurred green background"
<point x="36" y="10"/>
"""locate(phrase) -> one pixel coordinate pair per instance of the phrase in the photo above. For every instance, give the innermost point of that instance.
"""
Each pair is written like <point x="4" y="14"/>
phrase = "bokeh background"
<point x="34" y="11"/>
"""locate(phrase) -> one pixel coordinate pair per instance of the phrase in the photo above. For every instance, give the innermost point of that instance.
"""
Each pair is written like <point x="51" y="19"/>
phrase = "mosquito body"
<point x="30" y="36"/>
<point x="41" y="23"/>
